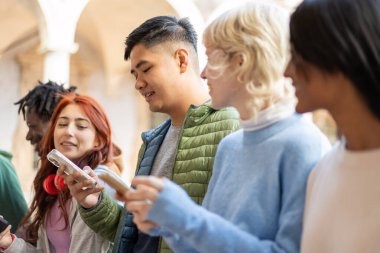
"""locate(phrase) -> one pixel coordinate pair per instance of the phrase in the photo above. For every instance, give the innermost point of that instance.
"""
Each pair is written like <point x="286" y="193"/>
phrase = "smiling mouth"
<point x="149" y="94"/>
<point x="68" y="144"/>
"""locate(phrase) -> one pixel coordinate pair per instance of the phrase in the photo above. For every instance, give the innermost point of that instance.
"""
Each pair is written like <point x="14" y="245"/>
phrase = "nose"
<point x="70" y="129"/>
<point x="140" y="83"/>
<point x="29" y="135"/>
<point x="203" y="74"/>
<point x="289" y="70"/>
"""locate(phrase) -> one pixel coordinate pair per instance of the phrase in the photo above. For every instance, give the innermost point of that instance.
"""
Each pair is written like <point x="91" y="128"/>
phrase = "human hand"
<point x="139" y="202"/>
<point x="6" y="238"/>
<point x="86" y="195"/>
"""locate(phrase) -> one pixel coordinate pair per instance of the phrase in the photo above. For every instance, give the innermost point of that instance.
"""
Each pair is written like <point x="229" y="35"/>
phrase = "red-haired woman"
<point x="81" y="131"/>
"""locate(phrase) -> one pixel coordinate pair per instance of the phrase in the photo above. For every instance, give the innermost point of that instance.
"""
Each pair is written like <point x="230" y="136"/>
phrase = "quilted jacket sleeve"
<point x="104" y="218"/>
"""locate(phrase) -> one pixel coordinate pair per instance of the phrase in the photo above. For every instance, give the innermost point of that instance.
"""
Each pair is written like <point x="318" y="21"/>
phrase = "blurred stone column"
<point x="57" y="25"/>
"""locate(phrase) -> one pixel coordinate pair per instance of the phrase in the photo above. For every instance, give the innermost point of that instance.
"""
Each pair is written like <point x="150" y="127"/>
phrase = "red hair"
<point x="103" y="153"/>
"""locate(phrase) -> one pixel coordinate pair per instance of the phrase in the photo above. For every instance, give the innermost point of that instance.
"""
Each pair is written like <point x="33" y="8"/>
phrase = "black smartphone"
<point x="3" y="224"/>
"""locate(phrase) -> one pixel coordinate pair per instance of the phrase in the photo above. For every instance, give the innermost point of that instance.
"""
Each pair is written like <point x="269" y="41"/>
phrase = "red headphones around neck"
<point x="53" y="184"/>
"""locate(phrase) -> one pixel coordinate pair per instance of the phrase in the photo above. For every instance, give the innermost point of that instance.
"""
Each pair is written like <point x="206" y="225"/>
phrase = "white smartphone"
<point x="115" y="181"/>
<point x="58" y="159"/>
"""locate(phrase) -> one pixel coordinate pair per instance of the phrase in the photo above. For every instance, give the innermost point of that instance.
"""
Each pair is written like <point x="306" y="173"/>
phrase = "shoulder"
<point x="228" y="113"/>
<point x="217" y="120"/>
<point x="5" y="157"/>
<point x="205" y="110"/>
<point x="6" y="166"/>
<point x="232" y="138"/>
<point x="303" y="135"/>
<point x="230" y="141"/>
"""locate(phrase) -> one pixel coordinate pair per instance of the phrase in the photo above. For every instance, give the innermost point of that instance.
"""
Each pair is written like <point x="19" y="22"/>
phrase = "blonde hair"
<point x="258" y="31"/>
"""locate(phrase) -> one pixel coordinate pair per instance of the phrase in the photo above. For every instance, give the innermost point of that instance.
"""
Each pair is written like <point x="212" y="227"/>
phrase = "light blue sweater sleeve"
<point x="208" y="232"/>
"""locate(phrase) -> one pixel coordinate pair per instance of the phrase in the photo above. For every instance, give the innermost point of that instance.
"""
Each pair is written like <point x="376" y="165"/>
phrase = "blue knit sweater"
<point x="256" y="195"/>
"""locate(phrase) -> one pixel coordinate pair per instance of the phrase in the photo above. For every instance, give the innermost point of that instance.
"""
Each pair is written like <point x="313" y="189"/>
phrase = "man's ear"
<point x="182" y="57"/>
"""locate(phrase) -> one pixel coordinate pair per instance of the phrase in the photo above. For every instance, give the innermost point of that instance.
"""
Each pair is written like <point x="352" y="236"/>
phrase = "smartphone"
<point x="113" y="180"/>
<point x="3" y="224"/>
<point x="58" y="159"/>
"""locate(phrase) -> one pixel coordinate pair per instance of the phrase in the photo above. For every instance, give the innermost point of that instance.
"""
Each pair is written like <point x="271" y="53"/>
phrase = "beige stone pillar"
<point x="57" y="25"/>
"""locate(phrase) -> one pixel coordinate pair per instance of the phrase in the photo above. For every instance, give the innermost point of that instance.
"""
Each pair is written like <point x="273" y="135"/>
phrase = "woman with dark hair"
<point x="80" y="130"/>
<point x="336" y="66"/>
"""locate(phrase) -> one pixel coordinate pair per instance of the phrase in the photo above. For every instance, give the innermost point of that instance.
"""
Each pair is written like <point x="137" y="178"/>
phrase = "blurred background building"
<point x="81" y="43"/>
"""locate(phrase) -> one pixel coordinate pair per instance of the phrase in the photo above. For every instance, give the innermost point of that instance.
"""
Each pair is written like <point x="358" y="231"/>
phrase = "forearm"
<point x="104" y="217"/>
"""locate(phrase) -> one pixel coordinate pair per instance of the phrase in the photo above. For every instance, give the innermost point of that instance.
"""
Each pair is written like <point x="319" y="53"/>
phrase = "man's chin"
<point x="153" y="108"/>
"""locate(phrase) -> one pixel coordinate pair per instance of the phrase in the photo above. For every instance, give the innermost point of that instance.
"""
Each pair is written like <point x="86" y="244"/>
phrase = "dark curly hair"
<point x="43" y="99"/>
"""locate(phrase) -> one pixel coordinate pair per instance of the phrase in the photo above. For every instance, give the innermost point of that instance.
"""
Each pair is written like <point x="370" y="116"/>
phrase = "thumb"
<point x="89" y="171"/>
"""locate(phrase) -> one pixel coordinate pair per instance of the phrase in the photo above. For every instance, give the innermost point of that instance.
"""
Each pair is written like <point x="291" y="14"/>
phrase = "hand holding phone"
<point x="3" y="224"/>
<point x="113" y="180"/>
<point x="6" y="237"/>
<point x="58" y="159"/>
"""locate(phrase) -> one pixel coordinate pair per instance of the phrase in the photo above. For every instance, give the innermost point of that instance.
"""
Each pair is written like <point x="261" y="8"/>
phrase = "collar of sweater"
<point x="274" y="113"/>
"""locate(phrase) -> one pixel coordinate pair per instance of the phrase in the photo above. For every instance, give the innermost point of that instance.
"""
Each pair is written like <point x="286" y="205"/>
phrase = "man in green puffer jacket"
<point x="164" y="61"/>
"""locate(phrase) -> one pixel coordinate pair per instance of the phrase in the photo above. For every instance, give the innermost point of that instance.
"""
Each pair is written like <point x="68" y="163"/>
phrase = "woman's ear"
<point x="96" y="142"/>
<point x="237" y="60"/>
<point x="240" y="59"/>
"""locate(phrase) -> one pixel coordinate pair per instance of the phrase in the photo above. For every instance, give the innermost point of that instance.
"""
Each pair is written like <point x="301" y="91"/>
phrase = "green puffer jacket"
<point x="202" y="131"/>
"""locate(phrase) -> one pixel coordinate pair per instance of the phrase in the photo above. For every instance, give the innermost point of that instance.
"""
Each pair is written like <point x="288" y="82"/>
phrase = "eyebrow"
<point x="76" y="119"/>
<point x="138" y="65"/>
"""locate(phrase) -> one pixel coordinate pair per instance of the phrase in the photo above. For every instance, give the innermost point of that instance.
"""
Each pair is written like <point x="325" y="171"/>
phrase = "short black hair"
<point x="161" y="29"/>
<point x="342" y="36"/>
<point x="43" y="98"/>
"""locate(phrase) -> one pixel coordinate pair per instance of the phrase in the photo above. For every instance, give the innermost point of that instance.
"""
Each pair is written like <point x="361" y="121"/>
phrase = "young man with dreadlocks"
<point x="38" y="106"/>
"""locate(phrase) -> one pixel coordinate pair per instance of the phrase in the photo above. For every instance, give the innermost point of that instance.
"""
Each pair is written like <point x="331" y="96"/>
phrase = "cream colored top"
<point x="343" y="203"/>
